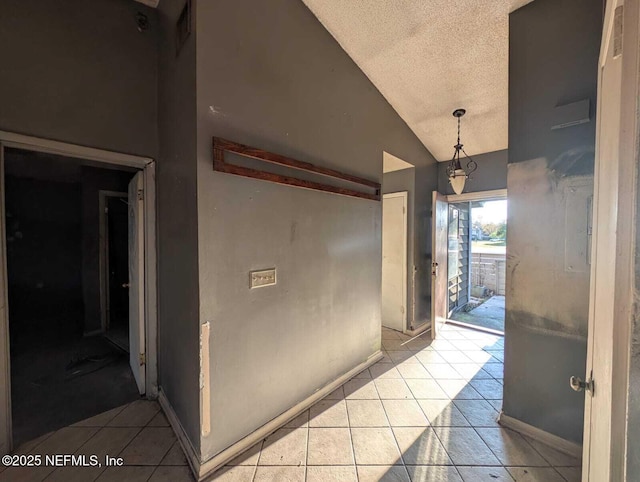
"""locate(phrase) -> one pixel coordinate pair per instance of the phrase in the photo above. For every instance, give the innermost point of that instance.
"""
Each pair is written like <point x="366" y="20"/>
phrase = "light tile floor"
<point x="138" y="433"/>
<point x="426" y="412"/>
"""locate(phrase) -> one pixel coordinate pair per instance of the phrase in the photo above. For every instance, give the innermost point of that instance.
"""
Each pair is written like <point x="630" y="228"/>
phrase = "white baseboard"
<point x="190" y="452"/>
<point x="424" y="327"/>
<point x="565" y="446"/>
<point x="204" y="469"/>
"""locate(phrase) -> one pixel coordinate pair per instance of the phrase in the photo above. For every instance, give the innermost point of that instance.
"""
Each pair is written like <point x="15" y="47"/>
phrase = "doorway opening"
<point x="398" y="271"/>
<point x="63" y="368"/>
<point x="477" y="263"/>
<point x="75" y="255"/>
<point x="469" y="260"/>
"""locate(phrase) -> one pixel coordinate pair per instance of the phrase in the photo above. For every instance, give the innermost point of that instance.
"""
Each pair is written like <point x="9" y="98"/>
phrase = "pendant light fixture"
<point x="458" y="175"/>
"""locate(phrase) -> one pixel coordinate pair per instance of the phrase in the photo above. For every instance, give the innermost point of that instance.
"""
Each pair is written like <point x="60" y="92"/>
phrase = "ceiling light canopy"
<point x="458" y="174"/>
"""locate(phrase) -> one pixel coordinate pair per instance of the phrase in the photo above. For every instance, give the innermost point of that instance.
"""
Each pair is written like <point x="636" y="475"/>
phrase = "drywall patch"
<point x="548" y="232"/>
<point x="205" y="394"/>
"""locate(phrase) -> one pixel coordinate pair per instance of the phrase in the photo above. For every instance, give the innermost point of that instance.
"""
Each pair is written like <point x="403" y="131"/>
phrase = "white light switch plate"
<point x="262" y="278"/>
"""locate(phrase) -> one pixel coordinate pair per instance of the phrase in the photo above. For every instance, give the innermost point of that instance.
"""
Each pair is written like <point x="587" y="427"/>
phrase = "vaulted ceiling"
<point x="429" y="57"/>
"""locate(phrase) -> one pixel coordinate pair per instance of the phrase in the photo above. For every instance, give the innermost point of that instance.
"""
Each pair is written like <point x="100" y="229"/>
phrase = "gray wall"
<point x="270" y="76"/>
<point x="491" y="173"/>
<point x="79" y="72"/>
<point x="178" y="296"/>
<point x="553" y="56"/>
<point x="397" y="181"/>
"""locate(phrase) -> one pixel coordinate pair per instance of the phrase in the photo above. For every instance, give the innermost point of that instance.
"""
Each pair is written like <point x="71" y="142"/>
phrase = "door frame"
<point x="493" y="195"/>
<point x="105" y="294"/>
<point x="405" y="237"/>
<point x="98" y="156"/>
<point x="489" y="195"/>
<point x="615" y="355"/>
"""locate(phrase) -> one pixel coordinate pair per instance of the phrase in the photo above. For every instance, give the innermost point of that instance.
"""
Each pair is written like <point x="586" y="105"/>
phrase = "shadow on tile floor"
<point x="426" y="412"/>
<point x="137" y="432"/>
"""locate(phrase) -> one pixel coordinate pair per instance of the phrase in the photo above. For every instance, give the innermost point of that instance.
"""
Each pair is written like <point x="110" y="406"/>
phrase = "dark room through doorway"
<point x="67" y="269"/>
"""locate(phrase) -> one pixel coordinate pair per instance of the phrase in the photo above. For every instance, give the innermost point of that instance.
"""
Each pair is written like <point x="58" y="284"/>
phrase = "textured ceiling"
<point x="429" y="57"/>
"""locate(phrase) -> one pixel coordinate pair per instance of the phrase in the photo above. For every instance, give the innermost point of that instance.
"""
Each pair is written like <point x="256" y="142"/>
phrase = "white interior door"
<point x="394" y="260"/>
<point x="136" y="281"/>
<point x="439" y="255"/>
<point x="598" y="403"/>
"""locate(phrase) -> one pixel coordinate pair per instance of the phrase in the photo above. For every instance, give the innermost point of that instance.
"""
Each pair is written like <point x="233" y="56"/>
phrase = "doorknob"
<point x="578" y="385"/>
<point x="125" y="285"/>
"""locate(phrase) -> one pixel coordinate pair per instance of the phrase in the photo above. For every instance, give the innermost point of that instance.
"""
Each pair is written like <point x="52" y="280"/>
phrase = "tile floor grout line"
<point x="539" y="453"/>
<point x="132" y="439"/>
<point x="474" y="428"/>
<point x="152" y="472"/>
<point x="490" y="449"/>
<point x="494" y="453"/>
<point x="444" y="446"/>
<point x="306" y="459"/>
<point x="390" y="426"/>
<point x="255" y="467"/>
<point x="41" y="442"/>
<point x="353" y="451"/>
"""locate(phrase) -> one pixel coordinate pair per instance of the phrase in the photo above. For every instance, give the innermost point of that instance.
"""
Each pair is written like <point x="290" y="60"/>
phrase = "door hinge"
<point x="140" y="194"/>
<point x="402" y="310"/>
<point x="617" y="31"/>
<point x="142" y="358"/>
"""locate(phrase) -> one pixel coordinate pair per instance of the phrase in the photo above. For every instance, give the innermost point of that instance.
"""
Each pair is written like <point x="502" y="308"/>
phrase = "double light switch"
<point x="265" y="277"/>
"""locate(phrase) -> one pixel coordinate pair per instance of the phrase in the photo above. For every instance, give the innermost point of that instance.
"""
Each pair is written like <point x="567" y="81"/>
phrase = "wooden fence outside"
<point x="489" y="270"/>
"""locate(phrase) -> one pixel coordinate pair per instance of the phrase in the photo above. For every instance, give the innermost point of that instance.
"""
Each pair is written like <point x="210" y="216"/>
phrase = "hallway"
<point x="426" y="412"/>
